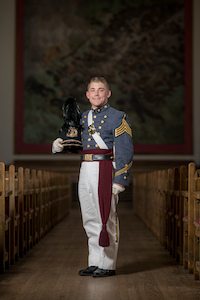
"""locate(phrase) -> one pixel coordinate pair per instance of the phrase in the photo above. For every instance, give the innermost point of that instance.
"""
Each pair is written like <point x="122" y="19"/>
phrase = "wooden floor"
<point x="145" y="269"/>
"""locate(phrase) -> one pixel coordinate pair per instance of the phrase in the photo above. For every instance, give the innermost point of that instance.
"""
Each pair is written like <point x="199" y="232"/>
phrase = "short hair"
<point x="98" y="79"/>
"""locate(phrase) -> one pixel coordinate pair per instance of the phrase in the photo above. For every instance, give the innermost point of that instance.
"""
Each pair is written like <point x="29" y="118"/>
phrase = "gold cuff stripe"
<point x="124" y="127"/>
<point x="127" y="167"/>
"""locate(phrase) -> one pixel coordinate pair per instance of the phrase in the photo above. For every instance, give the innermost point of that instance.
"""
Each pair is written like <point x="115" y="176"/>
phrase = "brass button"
<point x="94" y="117"/>
<point x="102" y="121"/>
<point x="96" y="146"/>
<point x="81" y="139"/>
<point x="88" y="146"/>
<point x="98" y="110"/>
<point x="105" y="116"/>
<point x="124" y="177"/>
<point x="105" y="106"/>
<point x="85" y="117"/>
<point x="98" y="133"/>
<point x="92" y="122"/>
<point x="83" y="121"/>
<point x="125" y="171"/>
<point x="81" y="132"/>
<point x="89" y="139"/>
<point x="99" y="127"/>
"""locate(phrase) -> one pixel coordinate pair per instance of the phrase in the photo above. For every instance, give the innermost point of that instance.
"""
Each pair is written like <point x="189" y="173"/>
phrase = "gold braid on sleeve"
<point x="124" y="127"/>
<point x="126" y="168"/>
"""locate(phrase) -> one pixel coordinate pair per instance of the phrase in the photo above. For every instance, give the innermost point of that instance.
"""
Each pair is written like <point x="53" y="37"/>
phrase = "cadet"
<point x="107" y="146"/>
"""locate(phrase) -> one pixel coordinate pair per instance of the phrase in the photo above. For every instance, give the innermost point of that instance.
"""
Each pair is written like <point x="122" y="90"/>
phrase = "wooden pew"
<point x="12" y="208"/>
<point x="142" y="198"/>
<point x="173" y="211"/>
<point x="64" y="195"/>
<point x="2" y="218"/>
<point x="5" y="223"/>
<point x="22" y="212"/>
<point x="41" y="206"/>
<point x="54" y="198"/>
<point x="9" y="215"/>
<point x="194" y="176"/>
<point x="184" y="194"/>
<point x="10" y="220"/>
<point x="18" y="194"/>
<point x="135" y="194"/>
<point x="160" y="206"/>
<point x="164" y="186"/>
<point x="31" y="203"/>
<point x="156" y="204"/>
<point x="148" y="203"/>
<point x="191" y="189"/>
<point x="168" y="195"/>
<point x="26" y="205"/>
<point x="174" y="186"/>
<point x="37" y="206"/>
<point x="33" y="206"/>
<point x="153" y="201"/>
<point x="179" y="203"/>
<point x="45" y="201"/>
<point x="149" y="199"/>
<point x="29" y="206"/>
<point x="49" y="201"/>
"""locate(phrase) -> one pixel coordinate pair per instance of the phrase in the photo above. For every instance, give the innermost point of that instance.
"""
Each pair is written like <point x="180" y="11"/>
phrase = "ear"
<point x="87" y="94"/>
<point x="108" y="94"/>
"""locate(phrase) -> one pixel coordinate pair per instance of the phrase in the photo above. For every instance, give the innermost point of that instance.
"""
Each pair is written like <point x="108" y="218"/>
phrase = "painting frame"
<point x="186" y="148"/>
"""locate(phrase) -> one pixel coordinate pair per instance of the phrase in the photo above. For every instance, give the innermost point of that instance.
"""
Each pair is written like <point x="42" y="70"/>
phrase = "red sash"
<point x="104" y="191"/>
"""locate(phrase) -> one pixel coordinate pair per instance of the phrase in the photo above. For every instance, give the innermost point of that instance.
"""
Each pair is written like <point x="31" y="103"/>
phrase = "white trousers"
<point x="103" y="257"/>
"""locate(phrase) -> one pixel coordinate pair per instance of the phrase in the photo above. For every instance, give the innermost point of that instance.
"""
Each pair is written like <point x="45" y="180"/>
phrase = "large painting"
<point x="142" y="48"/>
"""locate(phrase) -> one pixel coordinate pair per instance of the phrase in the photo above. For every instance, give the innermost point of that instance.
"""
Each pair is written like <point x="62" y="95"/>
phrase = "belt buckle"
<point x="88" y="157"/>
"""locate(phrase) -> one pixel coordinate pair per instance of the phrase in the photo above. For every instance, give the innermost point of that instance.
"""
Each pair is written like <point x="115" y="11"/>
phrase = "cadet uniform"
<point x="112" y="126"/>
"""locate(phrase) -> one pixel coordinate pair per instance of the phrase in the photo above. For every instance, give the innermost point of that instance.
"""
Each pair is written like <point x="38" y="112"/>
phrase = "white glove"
<point x="116" y="189"/>
<point x="57" y="145"/>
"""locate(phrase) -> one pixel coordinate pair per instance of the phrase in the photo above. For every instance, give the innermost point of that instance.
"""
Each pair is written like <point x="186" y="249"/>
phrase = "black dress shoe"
<point x="88" y="272"/>
<point x="103" y="273"/>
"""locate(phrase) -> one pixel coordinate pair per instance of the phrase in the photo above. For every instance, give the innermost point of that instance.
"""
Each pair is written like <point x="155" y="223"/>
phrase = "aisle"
<point x="145" y="269"/>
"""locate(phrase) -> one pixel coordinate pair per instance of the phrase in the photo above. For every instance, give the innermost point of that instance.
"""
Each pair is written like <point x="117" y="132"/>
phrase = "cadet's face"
<point x="97" y="94"/>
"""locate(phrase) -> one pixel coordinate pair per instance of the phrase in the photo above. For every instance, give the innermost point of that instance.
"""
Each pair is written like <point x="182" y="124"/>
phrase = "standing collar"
<point x="100" y="109"/>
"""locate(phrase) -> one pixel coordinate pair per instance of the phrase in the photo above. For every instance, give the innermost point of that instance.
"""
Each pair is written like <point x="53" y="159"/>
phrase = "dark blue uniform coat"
<point x="114" y="127"/>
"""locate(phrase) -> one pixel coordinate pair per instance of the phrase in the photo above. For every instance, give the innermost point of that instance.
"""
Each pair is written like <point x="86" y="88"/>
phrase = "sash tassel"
<point x="104" y="238"/>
